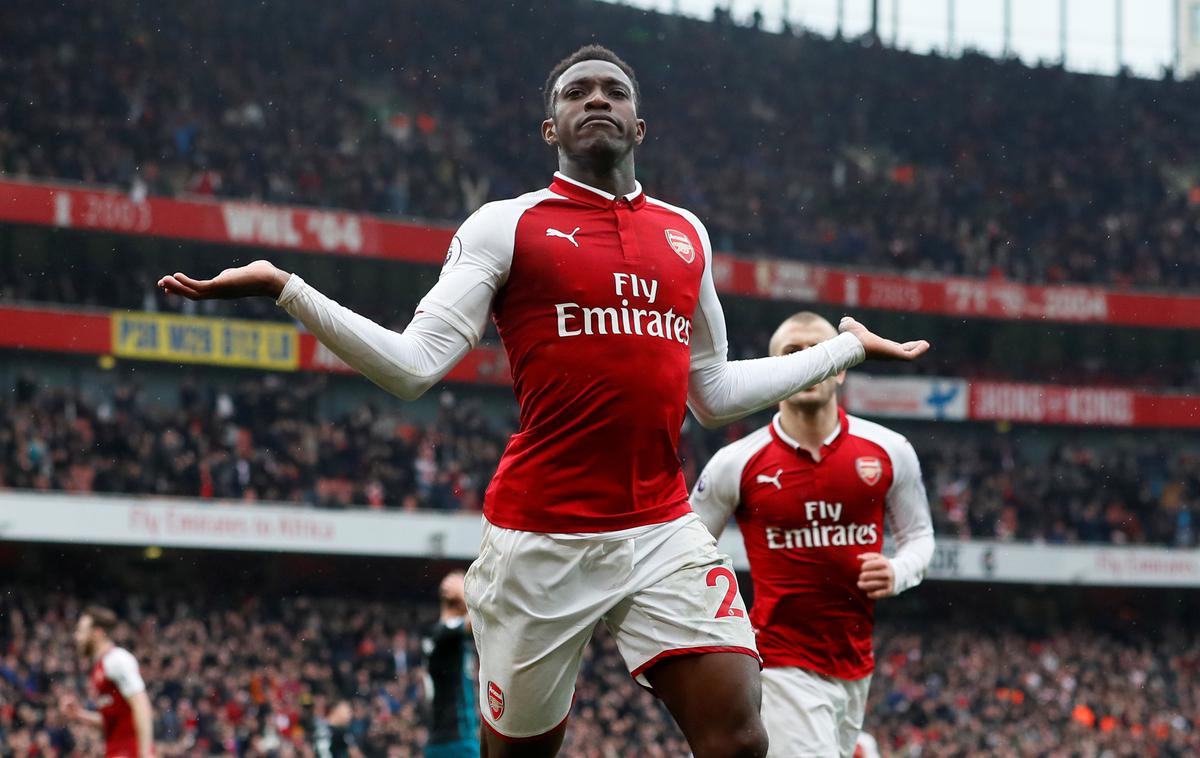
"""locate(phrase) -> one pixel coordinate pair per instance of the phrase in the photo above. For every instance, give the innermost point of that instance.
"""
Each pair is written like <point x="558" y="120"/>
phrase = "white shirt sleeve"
<point x="906" y="511"/>
<point x="721" y="391"/>
<point x="450" y="319"/>
<point x="122" y="668"/>
<point x="718" y="491"/>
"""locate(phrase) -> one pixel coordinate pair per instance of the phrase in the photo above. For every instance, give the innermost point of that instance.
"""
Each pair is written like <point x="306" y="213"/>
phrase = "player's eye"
<point x="620" y="93"/>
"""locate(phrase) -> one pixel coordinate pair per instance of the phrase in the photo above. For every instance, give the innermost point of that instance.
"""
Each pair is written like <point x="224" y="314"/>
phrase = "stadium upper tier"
<point x="232" y="673"/>
<point x="786" y="145"/>
<point x="267" y="439"/>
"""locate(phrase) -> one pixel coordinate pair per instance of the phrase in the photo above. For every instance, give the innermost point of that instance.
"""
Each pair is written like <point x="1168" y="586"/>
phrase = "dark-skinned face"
<point x="595" y="115"/>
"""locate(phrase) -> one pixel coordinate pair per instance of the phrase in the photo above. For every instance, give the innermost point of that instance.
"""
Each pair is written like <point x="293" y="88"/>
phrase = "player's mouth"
<point x="599" y="121"/>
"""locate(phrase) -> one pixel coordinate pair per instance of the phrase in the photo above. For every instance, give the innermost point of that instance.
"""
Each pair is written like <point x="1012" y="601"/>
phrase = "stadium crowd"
<point x="260" y="439"/>
<point x="884" y="159"/>
<point x="249" y="676"/>
<point x="237" y="675"/>
<point x="263" y="438"/>
<point x="951" y="692"/>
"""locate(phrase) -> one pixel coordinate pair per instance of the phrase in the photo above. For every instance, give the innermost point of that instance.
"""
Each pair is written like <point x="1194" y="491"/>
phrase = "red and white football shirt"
<point x="114" y="679"/>
<point x="607" y="309"/>
<point x="594" y="302"/>
<point x="805" y="521"/>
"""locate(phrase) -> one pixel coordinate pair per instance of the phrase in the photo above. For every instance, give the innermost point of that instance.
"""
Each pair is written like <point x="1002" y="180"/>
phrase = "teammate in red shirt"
<point x="116" y="687"/>
<point x="604" y="300"/>
<point x="811" y="492"/>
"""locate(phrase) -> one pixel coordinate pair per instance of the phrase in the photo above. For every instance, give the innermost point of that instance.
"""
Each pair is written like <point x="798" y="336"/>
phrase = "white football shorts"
<point x="534" y="600"/>
<point x="810" y="715"/>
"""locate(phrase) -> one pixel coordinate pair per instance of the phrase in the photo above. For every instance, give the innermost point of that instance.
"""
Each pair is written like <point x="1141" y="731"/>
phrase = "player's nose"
<point x="597" y="101"/>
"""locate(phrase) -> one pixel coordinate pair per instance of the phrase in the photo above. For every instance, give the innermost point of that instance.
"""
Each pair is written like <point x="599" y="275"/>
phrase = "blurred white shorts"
<point x="810" y="715"/>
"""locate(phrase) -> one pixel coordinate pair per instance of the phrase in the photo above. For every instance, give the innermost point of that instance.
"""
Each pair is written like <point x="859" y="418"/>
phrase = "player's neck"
<point x="809" y="427"/>
<point x="102" y="649"/>
<point x="615" y="179"/>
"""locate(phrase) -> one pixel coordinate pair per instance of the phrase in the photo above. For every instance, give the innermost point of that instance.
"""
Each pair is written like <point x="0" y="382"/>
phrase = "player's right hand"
<point x="70" y="706"/>
<point x="257" y="278"/>
<point x="879" y="348"/>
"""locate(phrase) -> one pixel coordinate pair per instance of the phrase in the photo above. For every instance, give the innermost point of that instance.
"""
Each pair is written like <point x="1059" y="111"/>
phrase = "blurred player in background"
<point x="604" y="300"/>
<point x="450" y="652"/>
<point x="811" y="492"/>
<point x="116" y="687"/>
<point x="332" y="737"/>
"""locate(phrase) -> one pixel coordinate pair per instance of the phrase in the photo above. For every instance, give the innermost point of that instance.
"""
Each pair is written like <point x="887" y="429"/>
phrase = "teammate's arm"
<point x="721" y="391"/>
<point x="143" y="723"/>
<point x="906" y="511"/>
<point x="121" y="667"/>
<point x="74" y="711"/>
<point x="449" y="322"/>
<point x="717" y="492"/>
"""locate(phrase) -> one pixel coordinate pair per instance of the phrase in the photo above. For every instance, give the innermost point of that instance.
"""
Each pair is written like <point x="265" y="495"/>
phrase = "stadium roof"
<point x="1091" y="40"/>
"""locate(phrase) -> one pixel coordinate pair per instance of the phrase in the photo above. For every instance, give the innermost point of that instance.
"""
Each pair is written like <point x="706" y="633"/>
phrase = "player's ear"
<point x="549" y="135"/>
<point x="640" y="133"/>
<point x="841" y="378"/>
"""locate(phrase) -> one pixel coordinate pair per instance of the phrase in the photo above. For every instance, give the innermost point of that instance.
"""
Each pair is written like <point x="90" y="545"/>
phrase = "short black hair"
<point x="588" y="53"/>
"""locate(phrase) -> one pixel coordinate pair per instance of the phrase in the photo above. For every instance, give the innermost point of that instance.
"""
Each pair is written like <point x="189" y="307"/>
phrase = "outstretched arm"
<point x="405" y="364"/>
<point x="449" y="322"/>
<point x="721" y="391"/>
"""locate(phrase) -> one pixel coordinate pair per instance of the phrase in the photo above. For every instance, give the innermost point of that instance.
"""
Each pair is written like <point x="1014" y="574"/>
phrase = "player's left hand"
<point x="880" y="348"/>
<point x="257" y="278"/>
<point x="876" y="576"/>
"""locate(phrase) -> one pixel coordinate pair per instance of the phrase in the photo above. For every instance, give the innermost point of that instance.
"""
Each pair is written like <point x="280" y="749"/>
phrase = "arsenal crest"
<point x="869" y="469"/>
<point x="495" y="700"/>
<point x="682" y="246"/>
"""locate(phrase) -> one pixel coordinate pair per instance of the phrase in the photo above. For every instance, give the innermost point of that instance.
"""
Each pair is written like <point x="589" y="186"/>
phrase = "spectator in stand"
<point x="901" y="162"/>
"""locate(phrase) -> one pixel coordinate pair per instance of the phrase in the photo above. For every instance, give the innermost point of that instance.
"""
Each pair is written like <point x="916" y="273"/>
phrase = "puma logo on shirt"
<point x="764" y="479"/>
<point x="570" y="237"/>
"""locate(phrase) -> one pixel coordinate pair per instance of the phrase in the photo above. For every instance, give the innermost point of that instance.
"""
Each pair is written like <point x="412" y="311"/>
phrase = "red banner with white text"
<point x="320" y="231"/>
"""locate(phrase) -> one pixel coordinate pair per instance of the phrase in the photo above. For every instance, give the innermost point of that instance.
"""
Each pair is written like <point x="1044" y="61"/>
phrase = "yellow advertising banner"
<point x="216" y="341"/>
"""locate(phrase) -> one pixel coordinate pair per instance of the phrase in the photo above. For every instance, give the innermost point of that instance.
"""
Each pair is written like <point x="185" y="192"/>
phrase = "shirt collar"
<point x="577" y="190"/>
<point x="833" y="438"/>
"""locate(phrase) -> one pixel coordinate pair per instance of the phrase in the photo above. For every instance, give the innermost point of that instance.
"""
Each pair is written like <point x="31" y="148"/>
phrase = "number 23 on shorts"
<point x="713" y="579"/>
